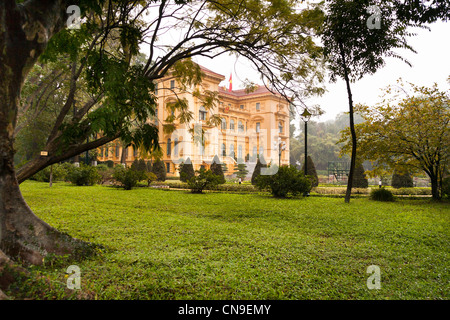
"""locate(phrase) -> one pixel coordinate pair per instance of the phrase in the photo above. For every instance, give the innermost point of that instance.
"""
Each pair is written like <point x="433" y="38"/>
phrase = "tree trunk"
<point x="348" y="192"/>
<point x="38" y="163"/>
<point x="24" y="33"/>
<point x="435" y="188"/>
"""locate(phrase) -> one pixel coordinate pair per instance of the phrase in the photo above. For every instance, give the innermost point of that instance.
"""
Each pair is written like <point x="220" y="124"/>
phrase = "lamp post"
<point x="281" y="146"/>
<point x="306" y="115"/>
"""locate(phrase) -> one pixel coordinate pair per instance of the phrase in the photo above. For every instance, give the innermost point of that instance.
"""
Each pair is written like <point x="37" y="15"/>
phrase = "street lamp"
<point x="306" y="115"/>
<point x="281" y="146"/>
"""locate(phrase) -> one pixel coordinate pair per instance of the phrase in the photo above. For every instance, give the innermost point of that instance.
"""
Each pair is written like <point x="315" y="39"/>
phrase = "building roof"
<point x="260" y="90"/>
<point x="210" y="72"/>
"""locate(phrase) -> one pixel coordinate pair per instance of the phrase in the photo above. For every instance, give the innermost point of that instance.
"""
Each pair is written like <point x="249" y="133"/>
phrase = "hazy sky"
<point x="431" y="64"/>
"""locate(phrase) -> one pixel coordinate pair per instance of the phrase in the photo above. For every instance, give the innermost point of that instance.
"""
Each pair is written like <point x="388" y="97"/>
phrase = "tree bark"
<point x="435" y="188"/>
<point x="38" y="163"/>
<point x="348" y="192"/>
<point x="24" y="33"/>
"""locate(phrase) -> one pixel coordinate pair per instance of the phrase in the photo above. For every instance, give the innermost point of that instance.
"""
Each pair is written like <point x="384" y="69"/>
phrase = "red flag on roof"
<point x="231" y="83"/>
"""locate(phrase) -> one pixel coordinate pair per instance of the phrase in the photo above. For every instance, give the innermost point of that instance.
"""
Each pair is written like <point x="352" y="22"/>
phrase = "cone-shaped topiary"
<point x="311" y="171"/>
<point x="159" y="169"/>
<point x="402" y="180"/>
<point x="240" y="169"/>
<point x="261" y="163"/>
<point x="216" y="168"/>
<point x="359" y="177"/>
<point x="186" y="170"/>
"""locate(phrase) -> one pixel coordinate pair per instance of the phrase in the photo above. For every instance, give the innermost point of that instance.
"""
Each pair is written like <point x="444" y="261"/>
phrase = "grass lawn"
<point x="166" y="244"/>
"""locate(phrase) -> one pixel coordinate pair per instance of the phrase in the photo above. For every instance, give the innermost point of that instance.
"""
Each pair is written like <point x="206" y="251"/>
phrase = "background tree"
<point x="204" y="179"/>
<point x="159" y="169"/>
<point x="216" y="168"/>
<point x="288" y="181"/>
<point x="224" y="168"/>
<point x="358" y="35"/>
<point x="359" y="178"/>
<point x="323" y="140"/>
<point x="311" y="171"/>
<point x="240" y="170"/>
<point x="410" y="133"/>
<point x="260" y="163"/>
<point x="186" y="170"/>
<point x="402" y="180"/>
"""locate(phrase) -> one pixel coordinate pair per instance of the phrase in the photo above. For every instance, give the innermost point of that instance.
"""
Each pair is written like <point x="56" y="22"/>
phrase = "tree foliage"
<point x="204" y="179"/>
<point x="186" y="170"/>
<point x="410" y="134"/>
<point x="353" y="50"/>
<point x="260" y="163"/>
<point x="159" y="169"/>
<point x="402" y="180"/>
<point x="240" y="170"/>
<point x="216" y="168"/>
<point x="288" y="181"/>
<point x="360" y="179"/>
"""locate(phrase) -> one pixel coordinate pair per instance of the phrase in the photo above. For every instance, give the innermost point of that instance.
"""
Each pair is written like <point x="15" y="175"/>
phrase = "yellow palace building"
<point x="252" y="123"/>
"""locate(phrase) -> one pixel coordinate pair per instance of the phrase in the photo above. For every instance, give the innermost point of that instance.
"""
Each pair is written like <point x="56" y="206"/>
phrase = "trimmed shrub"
<point x="204" y="180"/>
<point x="381" y="194"/>
<point x="127" y="177"/>
<point x="141" y="169"/>
<point x="105" y="172"/>
<point x="402" y="180"/>
<point x="186" y="170"/>
<point x="224" y="168"/>
<point x="216" y="168"/>
<point x="257" y="171"/>
<point x="84" y="175"/>
<point x="359" y="178"/>
<point x="159" y="169"/>
<point x="288" y="181"/>
<point x="240" y="169"/>
<point x="311" y="172"/>
<point x="149" y="166"/>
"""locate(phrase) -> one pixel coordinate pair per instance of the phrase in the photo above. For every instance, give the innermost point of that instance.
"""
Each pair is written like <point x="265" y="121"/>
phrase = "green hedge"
<point x="222" y="187"/>
<point x="400" y="191"/>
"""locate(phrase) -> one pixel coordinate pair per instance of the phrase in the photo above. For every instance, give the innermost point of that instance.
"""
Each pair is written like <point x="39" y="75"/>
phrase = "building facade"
<point x="252" y="124"/>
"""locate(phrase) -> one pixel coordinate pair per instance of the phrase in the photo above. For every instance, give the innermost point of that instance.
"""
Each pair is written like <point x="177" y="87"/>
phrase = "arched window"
<point x="231" y="150"/>
<point x="169" y="146"/>
<point x="224" y="124"/>
<point x="117" y="151"/>
<point x="258" y="127"/>
<point x="106" y="152"/>
<point x="232" y="124"/>
<point x="255" y="151"/>
<point x="240" y="126"/>
<point x="224" y="150"/>
<point x="239" y="152"/>
<point x="280" y="127"/>
<point x="261" y="151"/>
<point x="175" y="147"/>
